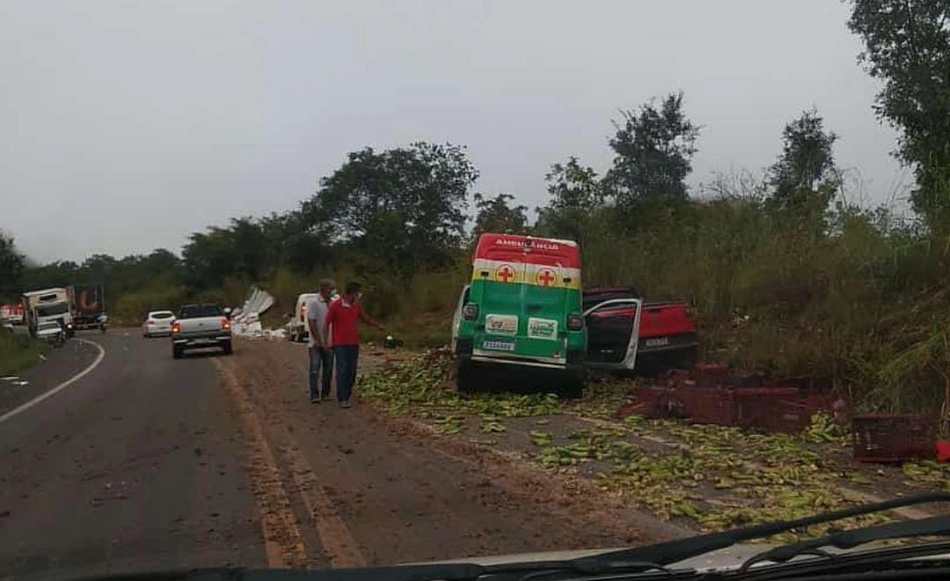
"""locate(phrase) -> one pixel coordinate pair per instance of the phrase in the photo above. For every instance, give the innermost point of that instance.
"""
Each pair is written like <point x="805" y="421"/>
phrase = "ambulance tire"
<point x="572" y="385"/>
<point x="466" y="377"/>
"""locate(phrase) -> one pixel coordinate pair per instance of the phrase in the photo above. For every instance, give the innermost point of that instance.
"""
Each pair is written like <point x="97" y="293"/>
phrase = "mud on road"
<point x="350" y="487"/>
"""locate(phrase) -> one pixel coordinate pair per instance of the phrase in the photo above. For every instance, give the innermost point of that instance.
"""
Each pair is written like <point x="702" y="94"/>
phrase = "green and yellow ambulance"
<point x="523" y="308"/>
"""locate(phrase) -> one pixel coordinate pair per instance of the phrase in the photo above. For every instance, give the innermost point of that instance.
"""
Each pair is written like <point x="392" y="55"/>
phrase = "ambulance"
<point x="523" y="309"/>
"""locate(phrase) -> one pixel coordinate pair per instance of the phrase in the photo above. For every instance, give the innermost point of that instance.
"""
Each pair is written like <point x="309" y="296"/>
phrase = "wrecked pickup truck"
<point x="665" y="333"/>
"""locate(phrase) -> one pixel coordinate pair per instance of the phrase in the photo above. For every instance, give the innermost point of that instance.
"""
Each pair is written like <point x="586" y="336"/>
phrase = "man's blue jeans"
<point x="346" y="359"/>
<point x="320" y="358"/>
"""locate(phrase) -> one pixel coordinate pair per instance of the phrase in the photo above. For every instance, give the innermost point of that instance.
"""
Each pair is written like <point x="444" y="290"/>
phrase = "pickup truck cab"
<point x="51" y="332"/>
<point x="665" y="331"/>
<point x="199" y="326"/>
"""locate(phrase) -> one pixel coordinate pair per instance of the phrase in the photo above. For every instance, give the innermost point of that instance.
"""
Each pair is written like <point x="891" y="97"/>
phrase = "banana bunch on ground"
<point x="824" y="429"/>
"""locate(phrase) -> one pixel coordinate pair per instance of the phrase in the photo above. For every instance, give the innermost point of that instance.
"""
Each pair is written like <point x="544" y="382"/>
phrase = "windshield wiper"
<point x="679" y="550"/>
<point x="460" y="571"/>
<point x="936" y="526"/>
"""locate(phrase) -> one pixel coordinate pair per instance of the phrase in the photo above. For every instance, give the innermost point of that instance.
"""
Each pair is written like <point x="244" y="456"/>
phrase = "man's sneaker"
<point x="315" y="399"/>
<point x="345" y="403"/>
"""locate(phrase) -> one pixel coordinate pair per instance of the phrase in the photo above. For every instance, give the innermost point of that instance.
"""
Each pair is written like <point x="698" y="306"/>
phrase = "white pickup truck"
<point x="199" y="326"/>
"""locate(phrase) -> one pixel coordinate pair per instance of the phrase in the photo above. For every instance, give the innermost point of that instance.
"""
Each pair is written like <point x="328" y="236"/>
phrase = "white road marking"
<point x="22" y="408"/>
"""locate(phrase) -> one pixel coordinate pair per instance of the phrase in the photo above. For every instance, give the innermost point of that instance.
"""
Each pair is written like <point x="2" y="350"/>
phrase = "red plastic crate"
<point x="711" y="374"/>
<point x="747" y="381"/>
<point x="772" y="409"/>
<point x="716" y="398"/>
<point x="711" y="405"/>
<point x="807" y="385"/>
<point x="894" y="437"/>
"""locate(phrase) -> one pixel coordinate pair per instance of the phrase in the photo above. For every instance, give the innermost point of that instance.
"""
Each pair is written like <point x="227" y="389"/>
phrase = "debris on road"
<point x="710" y="476"/>
<point x="246" y="319"/>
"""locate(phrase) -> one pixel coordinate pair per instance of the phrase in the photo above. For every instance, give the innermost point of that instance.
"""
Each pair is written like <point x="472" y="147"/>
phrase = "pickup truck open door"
<point x="613" y="333"/>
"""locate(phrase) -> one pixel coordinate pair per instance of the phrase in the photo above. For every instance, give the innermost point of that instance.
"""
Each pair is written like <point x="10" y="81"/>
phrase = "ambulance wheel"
<point x="572" y="385"/>
<point x="466" y="377"/>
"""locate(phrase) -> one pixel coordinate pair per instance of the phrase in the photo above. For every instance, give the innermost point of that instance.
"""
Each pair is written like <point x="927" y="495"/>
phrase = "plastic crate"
<point x="711" y="374"/>
<point x="772" y="409"/>
<point x="747" y="381"/>
<point x="709" y="405"/>
<point x="885" y="438"/>
<point x="807" y="385"/>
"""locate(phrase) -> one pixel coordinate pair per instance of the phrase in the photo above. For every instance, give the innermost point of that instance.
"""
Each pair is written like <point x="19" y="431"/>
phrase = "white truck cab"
<point x="51" y="304"/>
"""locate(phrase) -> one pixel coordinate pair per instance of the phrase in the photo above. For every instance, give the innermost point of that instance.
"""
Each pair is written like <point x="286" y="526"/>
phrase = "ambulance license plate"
<point x="499" y="345"/>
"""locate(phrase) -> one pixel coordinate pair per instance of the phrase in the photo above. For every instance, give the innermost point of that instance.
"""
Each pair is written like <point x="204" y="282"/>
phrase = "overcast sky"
<point x="125" y="125"/>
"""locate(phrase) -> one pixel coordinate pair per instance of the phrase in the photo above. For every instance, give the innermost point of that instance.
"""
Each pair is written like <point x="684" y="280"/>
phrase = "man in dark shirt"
<point x="342" y="328"/>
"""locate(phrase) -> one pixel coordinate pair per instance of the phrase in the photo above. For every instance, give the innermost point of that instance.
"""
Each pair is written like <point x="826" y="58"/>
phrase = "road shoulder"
<point x="60" y="365"/>
<point x="371" y="489"/>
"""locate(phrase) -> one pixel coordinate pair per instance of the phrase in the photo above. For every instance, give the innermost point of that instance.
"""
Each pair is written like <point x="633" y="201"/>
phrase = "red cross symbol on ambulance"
<point x="504" y="273"/>
<point x="546" y="277"/>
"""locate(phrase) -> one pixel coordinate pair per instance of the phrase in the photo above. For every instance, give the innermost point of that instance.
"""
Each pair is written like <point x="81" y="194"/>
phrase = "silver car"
<point x="51" y="332"/>
<point x="158" y="323"/>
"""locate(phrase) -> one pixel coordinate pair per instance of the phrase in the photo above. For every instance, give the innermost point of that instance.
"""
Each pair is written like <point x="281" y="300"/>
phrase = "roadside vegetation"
<point x="788" y="270"/>
<point x="18" y="352"/>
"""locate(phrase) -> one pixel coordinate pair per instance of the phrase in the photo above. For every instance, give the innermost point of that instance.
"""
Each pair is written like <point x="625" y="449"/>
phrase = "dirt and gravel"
<point x="365" y="487"/>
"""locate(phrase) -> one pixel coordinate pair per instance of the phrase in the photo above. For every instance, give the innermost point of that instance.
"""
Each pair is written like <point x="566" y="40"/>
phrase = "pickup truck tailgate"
<point x="203" y="327"/>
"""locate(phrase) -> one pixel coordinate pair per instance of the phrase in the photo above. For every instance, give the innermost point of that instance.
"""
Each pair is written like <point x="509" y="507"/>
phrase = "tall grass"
<point x="18" y="352"/>
<point x="857" y="298"/>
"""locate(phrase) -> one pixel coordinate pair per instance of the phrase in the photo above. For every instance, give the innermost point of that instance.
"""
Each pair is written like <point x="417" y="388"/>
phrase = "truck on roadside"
<point x="51" y="304"/>
<point x="297" y="329"/>
<point x="198" y="326"/>
<point x="12" y="314"/>
<point x="87" y="305"/>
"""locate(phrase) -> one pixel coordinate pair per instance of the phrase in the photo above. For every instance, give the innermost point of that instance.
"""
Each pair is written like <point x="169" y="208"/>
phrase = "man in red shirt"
<point x="341" y="326"/>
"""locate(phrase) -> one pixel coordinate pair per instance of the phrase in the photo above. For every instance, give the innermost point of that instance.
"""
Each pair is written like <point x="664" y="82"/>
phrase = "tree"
<point x="654" y="151"/>
<point x="238" y="250"/>
<point x="577" y="195"/>
<point x="302" y="236"/>
<point x="804" y="178"/>
<point x="11" y="268"/>
<point x="405" y="206"/>
<point x="907" y="45"/>
<point x="496" y="215"/>
<point x="574" y="187"/>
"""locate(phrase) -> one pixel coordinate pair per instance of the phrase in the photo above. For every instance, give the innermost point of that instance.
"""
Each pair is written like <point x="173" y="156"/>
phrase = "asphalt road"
<point x="146" y="463"/>
<point x="136" y="465"/>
